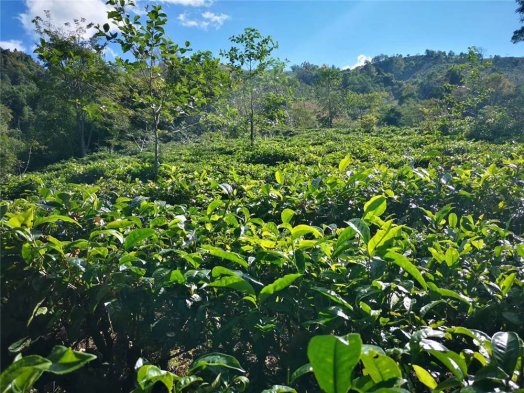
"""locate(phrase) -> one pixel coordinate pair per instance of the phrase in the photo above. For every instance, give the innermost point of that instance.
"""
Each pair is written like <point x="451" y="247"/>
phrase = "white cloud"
<point x="208" y="19"/>
<point x="190" y="3"/>
<point x="13" y="45"/>
<point x="216" y="20"/>
<point x="361" y="60"/>
<point x="63" y="11"/>
<point x="187" y="22"/>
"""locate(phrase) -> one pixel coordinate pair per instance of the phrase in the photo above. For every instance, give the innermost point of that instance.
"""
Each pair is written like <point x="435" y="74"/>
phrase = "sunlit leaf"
<point x="333" y="360"/>
<point x="278" y="285"/>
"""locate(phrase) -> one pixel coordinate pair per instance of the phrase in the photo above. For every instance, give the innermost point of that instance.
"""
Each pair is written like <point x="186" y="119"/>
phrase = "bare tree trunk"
<point x="155" y="132"/>
<point x="331" y="107"/>
<point x="89" y="138"/>
<point x="252" y="118"/>
<point x="28" y="159"/>
<point x="80" y="126"/>
<point x="157" y="164"/>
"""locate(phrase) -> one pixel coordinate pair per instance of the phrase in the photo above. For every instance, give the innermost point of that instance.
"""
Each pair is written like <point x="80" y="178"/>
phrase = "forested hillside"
<point x="430" y="91"/>
<point x="172" y="221"/>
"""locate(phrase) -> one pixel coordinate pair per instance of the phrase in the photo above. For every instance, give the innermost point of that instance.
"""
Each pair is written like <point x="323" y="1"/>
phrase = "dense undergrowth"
<point x="245" y="268"/>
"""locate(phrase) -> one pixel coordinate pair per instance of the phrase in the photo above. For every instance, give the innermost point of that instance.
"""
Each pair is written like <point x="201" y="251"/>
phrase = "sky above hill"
<point x="340" y="33"/>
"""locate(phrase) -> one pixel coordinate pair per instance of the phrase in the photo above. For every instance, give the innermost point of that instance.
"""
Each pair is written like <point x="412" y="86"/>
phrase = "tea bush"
<point x="329" y="260"/>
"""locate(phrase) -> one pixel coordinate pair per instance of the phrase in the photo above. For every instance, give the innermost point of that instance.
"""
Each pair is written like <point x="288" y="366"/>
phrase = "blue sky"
<point x="321" y="32"/>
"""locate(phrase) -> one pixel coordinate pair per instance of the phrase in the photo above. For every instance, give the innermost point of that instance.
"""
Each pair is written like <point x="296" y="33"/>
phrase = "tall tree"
<point x="328" y="92"/>
<point x="76" y="68"/>
<point x="11" y="143"/>
<point x="249" y="58"/>
<point x="518" y="35"/>
<point x="167" y="83"/>
<point x="19" y="99"/>
<point x="463" y="101"/>
<point x="144" y="37"/>
<point x="360" y="104"/>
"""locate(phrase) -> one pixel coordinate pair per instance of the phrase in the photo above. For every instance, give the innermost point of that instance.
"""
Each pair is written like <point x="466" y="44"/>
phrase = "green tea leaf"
<point x="361" y="228"/>
<point x="54" y="218"/>
<point x="277" y="285"/>
<point x="279" y="177"/>
<point x="451" y="256"/>
<point x="22" y="219"/>
<point x="216" y="360"/>
<point x="213" y="205"/>
<point x="19" y="345"/>
<point x="279" y="389"/>
<point x="233" y="282"/>
<point x="376" y="206"/>
<point x="452" y="220"/>
<point x="405" y="264"/>
<point x="333" y="296"/>
<point x="287" y="215"/>
<point x="65" y="360"/>
<point x="425" y="377"/>
<point x="137" y="236"/>
<point x="301" y="230"/>
<point x="506" y="285"/>
<point x="111" y="232"/>
<point x="506" y="349"/>
<point x="23" y="373"/>
<point x="452" y="361"/>
<point x="380" y="367"/>
<point x="383" y="236"/>
<point x="344" y="163"/>
<point x="333" y="360"/>
<point x="449" y="293"/>
<point x="149" y="375"/>
<point x="299" y="372"/>
<point x="185" y="382"/>
<point x="227" y="255"/>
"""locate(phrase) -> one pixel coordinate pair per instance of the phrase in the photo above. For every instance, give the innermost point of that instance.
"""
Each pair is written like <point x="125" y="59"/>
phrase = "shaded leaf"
<point x="506" y="350"/>
<point x="216" y="360"/>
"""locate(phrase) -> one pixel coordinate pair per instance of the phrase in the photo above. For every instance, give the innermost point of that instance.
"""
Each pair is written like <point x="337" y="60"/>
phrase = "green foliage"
<point x="23" y="373"/>
<point x="328" y="93"/>
<point x="221" y="369"/>
<point x="11" y="142"/>
<point x="229" y="267"/>
<point x="406" y="240"/>
<point x="51" y="104"/>
<point x="78" y="72"/>
<point x="249" y="59"/>
<point x="333" y="360"/>
<point x="303" y="115"/>
<point x="166" y="83"/>
<point x="492" y="123"/>
<point x="360" y="105"/>
<point x="518" y="35"/>
<point x="253" y="53"/>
